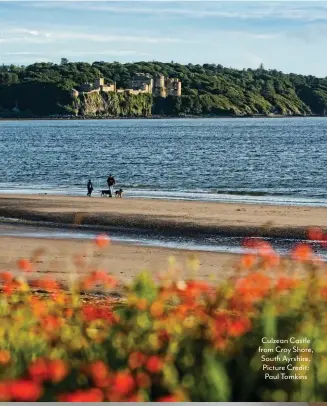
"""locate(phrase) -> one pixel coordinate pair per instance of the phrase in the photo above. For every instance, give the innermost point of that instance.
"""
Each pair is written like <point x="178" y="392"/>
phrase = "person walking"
<point x="89" y="188"/>
<point x="111" y="182"/>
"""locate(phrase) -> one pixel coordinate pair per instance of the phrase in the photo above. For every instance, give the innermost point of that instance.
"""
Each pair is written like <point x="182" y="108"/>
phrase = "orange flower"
<point x="286" y="283"/>
<point x="303" y="252"/>
<point x="47" y="284"/>
<point x="9" y="287"/>
<point x="254" y="286"/>
<point x="248" y="260"/>
<point x="102" y="240"/>
<point x="57" y="370"/>
<point x="316" y="234"/>
<point x="25" y="265"/>
<point x="6" y="276"/>
<point x="68" y="313"/>
<point x="4" y="357"/>
<point x="271" y="260"/>
<point x="99" y="277"/>
<point x="196" y="288"/>
<point x="38" y="307"/>
<point x="142" y="304"/>
<point x="123" y="384"/>
<point x="87" y="395"/>
<point x="51" y="323"/>
<point x="143" y="380"/>
<point x="157" y="309"/>
<point x="25" y="390"/>
<point x="136" y="360"/>
<point x="238" y="327"/>
<point x="323" y="292"/>
<point x="154" y="364"/>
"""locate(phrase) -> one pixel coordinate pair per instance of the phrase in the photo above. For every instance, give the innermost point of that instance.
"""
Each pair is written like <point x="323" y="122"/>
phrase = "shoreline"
<point x="165" y="217"/>
<point x="73" y="118"/>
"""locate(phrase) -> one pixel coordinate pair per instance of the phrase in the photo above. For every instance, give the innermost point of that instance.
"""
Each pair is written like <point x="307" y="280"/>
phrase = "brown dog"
<point x="119" y="193"/>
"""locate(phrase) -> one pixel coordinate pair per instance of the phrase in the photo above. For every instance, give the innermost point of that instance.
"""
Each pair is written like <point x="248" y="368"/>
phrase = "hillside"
<point x="43" y="89"/>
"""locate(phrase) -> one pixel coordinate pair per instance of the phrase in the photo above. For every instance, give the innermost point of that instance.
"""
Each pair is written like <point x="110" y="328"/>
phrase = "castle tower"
<point x="178" y="87"/>
<point x="159" y="85"/>
<point x="98" y="83"/>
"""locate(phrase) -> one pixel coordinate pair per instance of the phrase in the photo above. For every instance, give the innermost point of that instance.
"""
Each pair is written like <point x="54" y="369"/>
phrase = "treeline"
<point x="44" y="89"/>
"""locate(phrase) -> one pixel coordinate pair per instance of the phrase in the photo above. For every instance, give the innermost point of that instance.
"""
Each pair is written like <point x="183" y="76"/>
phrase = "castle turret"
<point x="98" y="83"/>
<point x="159" y="85"/>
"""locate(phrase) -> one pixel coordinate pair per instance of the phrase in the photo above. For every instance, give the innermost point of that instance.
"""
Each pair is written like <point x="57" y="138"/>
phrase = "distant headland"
<point x="154" y="90"/>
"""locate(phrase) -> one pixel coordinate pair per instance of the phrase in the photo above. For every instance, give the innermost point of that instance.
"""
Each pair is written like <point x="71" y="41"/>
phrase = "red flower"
<point x="57" y="370"/>
<point x="91" y="313"/>
<point x="316" y="234"/>
<point x="136" y="360"/>
<point x="230" y="325"/>
<point x="99" y="371"/>
<point x="25" y="390"/>
<point x="5" y="394"/>
<point x="51" y="323"/>
<point x="169" y="398"/>
<point x="237" y="328"/>
<point x="43" y="370"/>
<point x="123" y="384"/>
<point x="38" y="370"/>
<point x="143" y="380"/>
<point x="88" y="395"/>
<point x="154" y="364"/>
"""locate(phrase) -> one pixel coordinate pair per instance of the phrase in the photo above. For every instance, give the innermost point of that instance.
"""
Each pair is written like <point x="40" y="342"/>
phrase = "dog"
<point x="106" y="193"/>
<point x="119" y="193"/>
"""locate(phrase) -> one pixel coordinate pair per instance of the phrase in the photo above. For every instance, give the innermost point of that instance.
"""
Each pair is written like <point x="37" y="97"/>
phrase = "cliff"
<point x="43" y="89"/>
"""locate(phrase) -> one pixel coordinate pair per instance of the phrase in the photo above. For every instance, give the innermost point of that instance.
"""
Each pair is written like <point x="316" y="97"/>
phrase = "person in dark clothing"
<point x="111" y="182"/>
<point x="89" y="188"/>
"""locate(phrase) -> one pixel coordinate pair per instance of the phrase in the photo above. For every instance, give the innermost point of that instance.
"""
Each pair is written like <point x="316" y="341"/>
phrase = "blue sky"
<point x="283" y="35"/>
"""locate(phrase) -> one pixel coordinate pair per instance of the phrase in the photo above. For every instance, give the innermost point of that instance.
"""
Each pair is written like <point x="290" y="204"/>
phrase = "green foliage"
<point x="209" y="89"/>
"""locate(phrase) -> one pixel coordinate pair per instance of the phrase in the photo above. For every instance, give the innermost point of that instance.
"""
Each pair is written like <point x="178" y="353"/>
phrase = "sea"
<point x="250" y="160"/>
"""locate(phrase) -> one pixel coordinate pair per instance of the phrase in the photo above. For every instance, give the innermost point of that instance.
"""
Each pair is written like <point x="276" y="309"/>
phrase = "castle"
<point x="140" y="83"/>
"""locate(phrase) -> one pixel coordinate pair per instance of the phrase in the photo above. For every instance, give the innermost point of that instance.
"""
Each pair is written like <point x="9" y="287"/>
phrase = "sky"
<point x="283" y="35"/>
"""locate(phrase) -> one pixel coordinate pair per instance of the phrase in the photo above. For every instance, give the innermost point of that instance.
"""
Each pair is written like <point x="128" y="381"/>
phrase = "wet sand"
<point x="167" y="216"/>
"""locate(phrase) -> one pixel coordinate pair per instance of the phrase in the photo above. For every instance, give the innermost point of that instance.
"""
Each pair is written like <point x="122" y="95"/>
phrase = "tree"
<point x="64" y="61"/>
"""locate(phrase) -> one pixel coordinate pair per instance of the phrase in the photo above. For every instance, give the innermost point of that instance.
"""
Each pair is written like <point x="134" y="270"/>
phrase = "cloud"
<point x="35" y="36"/>
<point x="71" y="53"/>
<point x="244" y="10"/>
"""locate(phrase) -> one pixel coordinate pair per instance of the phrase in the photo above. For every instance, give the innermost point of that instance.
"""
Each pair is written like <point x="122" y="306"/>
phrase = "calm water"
<point x="272" y="160"/>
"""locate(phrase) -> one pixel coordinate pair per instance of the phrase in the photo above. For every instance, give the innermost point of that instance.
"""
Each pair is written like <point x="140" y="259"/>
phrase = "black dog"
<point x="119" y="193"/>
<point x="106" y="193"/>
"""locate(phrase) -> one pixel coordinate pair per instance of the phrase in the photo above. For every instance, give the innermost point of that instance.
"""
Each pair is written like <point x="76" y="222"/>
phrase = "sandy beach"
<point x="167" y="216"/>
<point x="122" y="261"/>
<point x="161" y="216"/>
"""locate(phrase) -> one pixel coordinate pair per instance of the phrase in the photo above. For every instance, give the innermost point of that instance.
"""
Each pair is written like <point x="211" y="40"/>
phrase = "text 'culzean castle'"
<point x="158" y="86"/>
